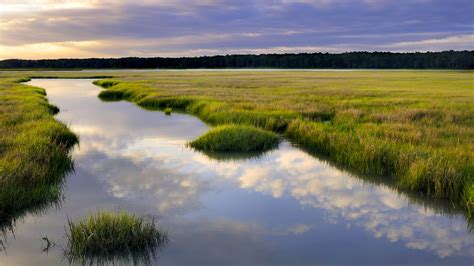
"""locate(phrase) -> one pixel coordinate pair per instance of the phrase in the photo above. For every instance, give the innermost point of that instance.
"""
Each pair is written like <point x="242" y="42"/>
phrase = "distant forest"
<point x="350" y="60"/>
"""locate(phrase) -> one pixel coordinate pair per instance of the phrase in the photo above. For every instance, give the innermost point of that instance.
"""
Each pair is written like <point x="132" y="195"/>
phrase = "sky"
<point x="34" y="29"/>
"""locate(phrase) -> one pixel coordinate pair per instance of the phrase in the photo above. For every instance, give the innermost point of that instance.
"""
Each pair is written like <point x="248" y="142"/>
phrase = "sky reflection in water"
<point x="282" y="207"/>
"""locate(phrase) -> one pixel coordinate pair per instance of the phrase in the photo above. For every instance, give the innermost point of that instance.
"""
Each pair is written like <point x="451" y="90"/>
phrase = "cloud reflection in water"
<point x="163" y="171"/>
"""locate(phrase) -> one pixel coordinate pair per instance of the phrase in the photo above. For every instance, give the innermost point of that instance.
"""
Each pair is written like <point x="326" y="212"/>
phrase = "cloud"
<point x="36" y="29"/>
<point x="461" y="42"/>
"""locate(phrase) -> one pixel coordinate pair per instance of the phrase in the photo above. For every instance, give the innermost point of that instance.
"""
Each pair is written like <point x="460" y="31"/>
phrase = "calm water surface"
<point x="285" y="207"/>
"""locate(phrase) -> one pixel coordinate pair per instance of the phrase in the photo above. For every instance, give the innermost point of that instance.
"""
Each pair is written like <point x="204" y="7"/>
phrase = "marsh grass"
<point x="110" y="235"/>
<point x="236" y="138"/>
<point x="106" y="83"/>
<point x="168" y="110"/>
<point x="34" y="150"/>
<point x="416" y="127"/>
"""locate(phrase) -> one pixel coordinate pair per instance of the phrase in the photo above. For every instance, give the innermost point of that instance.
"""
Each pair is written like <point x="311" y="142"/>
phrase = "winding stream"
<point x="283" y="207"/>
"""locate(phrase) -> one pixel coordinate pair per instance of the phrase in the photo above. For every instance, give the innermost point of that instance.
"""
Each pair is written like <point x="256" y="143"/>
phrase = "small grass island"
<point x="108" y="233"/>
<point x="236" y="138"/>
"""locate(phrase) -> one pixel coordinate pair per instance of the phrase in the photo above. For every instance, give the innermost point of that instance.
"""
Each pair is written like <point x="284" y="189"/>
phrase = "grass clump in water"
<point x="109" y="234"/>
<point x="236" y="138"/>
<point x="105" y="83"/>
<point x="168" y="110"/>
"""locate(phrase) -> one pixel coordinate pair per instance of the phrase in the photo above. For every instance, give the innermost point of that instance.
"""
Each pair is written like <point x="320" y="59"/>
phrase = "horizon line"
<point x="238" y="54"/>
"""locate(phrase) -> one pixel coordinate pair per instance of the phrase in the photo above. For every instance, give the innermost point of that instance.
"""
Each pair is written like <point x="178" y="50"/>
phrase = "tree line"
<point x="349" y="60"/>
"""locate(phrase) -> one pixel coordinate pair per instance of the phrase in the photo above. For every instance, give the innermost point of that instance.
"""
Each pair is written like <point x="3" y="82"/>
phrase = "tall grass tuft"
<point x="236" y="138"/>
<point x="107" y="233"/>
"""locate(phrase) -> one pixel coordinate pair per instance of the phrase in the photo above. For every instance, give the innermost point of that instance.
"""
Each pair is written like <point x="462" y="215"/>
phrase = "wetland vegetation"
<point x="107" y="234"/>
<point x="34" y="150"/>
<point x="413" y="126"/>
<point x="236" y="138"/>
<point x="134" y="174"/>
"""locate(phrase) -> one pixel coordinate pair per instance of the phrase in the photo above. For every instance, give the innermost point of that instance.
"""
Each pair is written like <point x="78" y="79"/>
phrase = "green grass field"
<point x="34" y="150"/>
<point x="415" y="127"/>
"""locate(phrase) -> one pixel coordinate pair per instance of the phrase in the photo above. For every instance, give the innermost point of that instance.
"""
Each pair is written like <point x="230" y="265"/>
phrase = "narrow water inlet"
<point x="284" y="206"/>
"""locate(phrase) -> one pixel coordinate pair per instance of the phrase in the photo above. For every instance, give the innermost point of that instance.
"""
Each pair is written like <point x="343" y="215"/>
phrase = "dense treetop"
<point x="349" y="60"/>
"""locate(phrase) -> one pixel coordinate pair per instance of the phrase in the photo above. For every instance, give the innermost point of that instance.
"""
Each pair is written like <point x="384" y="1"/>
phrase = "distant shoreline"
<point x="228" y="70"/>
<point x="454" y="60"/>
